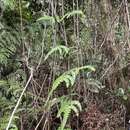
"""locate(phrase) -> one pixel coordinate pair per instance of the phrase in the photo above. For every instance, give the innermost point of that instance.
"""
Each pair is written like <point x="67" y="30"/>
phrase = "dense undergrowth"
<point x="64" y="65"/>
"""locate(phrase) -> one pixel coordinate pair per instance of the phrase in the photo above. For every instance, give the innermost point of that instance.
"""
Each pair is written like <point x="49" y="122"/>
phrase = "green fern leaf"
<point x="77" y="103"/>
<point x="61" y="49"/>
<point x="9" y="3"/>
<point x="74" y="109"/>
<point x="68" y="77"/>
<point x="66" y="107"/>
<point x="75" y="12"/>
<point x="69" y="14"/>
<point x="47" y="20"/>
<point x="4" y="122"/>
<point x="3" y="82"/>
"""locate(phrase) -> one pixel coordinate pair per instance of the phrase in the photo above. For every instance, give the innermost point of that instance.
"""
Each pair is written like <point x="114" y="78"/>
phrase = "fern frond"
<point x="70" y="14"/>
<point x="10" y="39"/>
<point x="94" y="85"/>
<point x="3" y="82"/>
<point x="47" y="20"/>
<point x="69" y="77"/>
<point x="4" y="122"/>
<point x="66" y="107"/>
<point x="60" y="49"/>
<point x="74" y="12"/>
<point x="77" y="103"/>
<point x="9" y="3"/>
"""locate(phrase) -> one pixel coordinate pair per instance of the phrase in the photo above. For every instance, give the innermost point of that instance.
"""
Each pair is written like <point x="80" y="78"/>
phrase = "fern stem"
<point x="18" y="102"/>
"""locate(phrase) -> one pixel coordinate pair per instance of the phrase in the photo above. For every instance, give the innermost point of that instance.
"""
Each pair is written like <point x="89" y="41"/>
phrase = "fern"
<point x="4" y="56"/>
<point x="49" y="20"/>
<point x="10" y="88"/>
<point x="4" y="122"/>
<point x="3" y="82"/>
<point x="61" y="49"/>
<point x="68" y="77"/>
<point x="9" y="3"/>
<point x="16" y="80"/>
<point x="9" y="41"/>
<point x="94" y="85"/>
<point x="74" y="12"/>
<point x="66" y="107"/>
